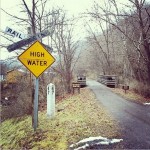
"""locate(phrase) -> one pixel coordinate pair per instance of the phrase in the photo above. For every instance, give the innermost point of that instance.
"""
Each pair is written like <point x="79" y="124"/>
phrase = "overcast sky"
<point x="73" y="7"/>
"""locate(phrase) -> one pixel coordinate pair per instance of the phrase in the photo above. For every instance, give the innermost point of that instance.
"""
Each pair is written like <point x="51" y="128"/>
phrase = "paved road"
<point x="134" y="119"/>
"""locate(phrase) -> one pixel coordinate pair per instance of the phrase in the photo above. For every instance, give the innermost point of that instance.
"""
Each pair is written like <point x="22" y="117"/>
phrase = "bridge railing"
<point x="108" y="80"/>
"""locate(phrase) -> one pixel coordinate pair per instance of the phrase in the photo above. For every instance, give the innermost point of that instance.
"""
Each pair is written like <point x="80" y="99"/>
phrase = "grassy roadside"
<point x="131" y="95"/>
<point x="80" y="117"/>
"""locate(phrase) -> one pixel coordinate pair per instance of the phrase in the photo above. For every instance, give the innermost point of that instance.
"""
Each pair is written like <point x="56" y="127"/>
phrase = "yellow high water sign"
<point x="36" y="59"/>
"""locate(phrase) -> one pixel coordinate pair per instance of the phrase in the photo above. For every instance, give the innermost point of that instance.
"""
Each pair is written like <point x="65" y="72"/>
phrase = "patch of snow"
<point x="103" y="143"/>
<point x="20" y="70"/>
<point x="116" y="140"/>
<point x="72" y="145"/>
<point x="91" y="141"/>
<point x="6" y="98"/>
<point x="146" y="103"/>
<point x="82" y="147"/>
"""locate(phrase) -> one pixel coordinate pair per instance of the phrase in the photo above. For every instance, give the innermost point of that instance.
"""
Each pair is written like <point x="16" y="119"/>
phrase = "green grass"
<point x="81" y="117"/>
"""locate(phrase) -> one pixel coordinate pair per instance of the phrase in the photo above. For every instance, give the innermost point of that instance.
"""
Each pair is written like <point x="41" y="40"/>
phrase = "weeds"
<point x="80" y="118"/>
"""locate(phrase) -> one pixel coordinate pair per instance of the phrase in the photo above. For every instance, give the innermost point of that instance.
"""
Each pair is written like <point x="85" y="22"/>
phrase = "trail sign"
<point x="29" y="40"/>
<point x="36" y="59"/>
<point x="14" y="33"/>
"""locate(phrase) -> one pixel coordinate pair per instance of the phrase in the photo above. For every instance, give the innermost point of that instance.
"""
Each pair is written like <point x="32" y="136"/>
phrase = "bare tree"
<point x="134" y="28"/>
<point x="99" y="42"/>
<point x="33" y="17"/>
<point x="67" y="47"/>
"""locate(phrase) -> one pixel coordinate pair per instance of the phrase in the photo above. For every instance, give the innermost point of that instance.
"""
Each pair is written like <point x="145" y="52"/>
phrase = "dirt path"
<point x="134" y="119"/>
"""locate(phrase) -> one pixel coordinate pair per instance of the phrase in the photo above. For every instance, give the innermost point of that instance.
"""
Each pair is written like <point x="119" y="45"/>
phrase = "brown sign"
<point x="76" y="85"/>
<point x="125" y="88"/>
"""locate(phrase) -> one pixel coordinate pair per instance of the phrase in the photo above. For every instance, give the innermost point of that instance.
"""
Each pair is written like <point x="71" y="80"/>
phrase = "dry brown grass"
<point x="79" y="116"/>
<point x="131" y="95"/>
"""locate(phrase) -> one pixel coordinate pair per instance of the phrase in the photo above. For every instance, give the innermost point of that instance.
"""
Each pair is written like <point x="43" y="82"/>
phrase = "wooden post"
<point x="125" y="88"/>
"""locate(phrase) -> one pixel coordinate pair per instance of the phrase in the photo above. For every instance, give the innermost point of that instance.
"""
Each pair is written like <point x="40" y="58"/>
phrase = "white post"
<point x="50" y="100"/>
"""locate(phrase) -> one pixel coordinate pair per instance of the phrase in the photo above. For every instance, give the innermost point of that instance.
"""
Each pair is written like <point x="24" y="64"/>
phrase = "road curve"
<point x="133" y="118"/>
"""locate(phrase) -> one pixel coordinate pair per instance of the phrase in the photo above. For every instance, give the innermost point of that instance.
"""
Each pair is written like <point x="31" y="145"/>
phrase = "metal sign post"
<point x="36" y="59"/>
<point x="36" y="97"/>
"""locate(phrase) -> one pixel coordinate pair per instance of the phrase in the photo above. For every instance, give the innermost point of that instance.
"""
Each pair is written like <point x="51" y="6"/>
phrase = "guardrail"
<point x="81" y="80"/>
<point x="108" y="80"/>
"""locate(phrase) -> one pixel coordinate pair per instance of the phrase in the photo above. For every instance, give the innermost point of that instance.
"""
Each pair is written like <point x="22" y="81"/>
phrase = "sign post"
<point x="36" y="59"/>
<point x="36" y="97"/>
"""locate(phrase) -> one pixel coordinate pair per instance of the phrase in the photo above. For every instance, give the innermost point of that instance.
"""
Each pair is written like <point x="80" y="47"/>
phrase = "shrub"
<point x="19" y="94"/>
<point x="20" y="90"/>
<point x="20" y="107"/>
<point x="141" y="88"/>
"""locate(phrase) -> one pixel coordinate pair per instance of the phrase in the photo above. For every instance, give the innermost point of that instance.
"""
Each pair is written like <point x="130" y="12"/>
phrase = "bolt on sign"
<point x="36" y="59"/>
